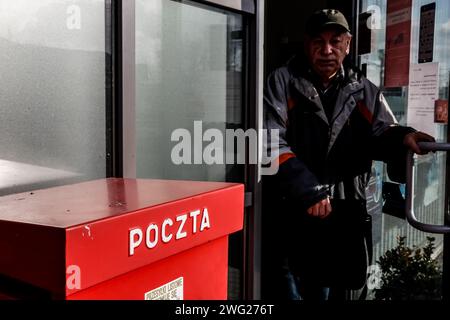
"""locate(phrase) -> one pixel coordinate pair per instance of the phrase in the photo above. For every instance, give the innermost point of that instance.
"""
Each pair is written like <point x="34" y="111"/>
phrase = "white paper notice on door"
<point x="423" y="91"/>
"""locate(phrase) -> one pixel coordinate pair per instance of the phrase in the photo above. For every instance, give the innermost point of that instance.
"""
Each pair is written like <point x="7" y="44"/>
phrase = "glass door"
<point x="189" y="68"/>
<point x="404" y="48"/>
<point x="190" y="92"/>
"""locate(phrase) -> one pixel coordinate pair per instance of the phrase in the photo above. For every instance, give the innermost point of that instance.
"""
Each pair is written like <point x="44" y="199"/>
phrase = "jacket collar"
<point x="299" y="68"/>
<point x="349" y="94"/>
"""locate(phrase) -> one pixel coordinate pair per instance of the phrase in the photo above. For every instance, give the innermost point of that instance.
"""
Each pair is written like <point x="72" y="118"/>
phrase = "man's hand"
<point x="321" y="209"/>
<point x="412" y="138"/>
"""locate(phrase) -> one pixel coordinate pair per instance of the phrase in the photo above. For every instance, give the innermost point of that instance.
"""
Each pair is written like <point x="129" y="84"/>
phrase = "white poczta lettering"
<point x="181" y="233"/>
<point x="205" y="220"/>
<point x="134" y="243"/>
<point x="148" y="241"/>
<point x="194" y="215"/>
<point x="166" y="238"/>
<point x="163" y="232"/>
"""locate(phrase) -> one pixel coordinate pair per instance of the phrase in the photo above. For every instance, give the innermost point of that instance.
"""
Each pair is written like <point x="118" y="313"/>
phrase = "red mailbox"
<point x="121" y="239"/>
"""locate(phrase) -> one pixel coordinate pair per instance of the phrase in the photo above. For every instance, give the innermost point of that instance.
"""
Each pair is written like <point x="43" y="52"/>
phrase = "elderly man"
<point x="332" y="123"/>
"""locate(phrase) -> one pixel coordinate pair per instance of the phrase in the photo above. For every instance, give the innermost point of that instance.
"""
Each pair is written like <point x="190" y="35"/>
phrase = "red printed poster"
<point x="398" y="40"/>
<point x="441" y="111"/>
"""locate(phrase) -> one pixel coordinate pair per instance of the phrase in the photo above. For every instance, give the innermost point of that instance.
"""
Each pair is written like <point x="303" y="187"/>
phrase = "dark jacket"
<point x="328" y="157"/>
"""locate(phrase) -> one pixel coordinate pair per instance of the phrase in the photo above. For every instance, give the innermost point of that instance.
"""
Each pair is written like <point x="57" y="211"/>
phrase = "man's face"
<point x="327" y="51"/>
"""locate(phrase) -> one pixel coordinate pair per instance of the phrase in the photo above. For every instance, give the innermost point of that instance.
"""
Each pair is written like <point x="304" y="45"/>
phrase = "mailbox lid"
<point x="71" y="205"/>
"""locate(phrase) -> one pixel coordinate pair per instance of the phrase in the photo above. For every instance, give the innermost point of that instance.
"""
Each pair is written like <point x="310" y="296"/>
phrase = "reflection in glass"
<point x="188" y="68"/>
<point x="52" y="92"/>
<point x="430" y="170"/>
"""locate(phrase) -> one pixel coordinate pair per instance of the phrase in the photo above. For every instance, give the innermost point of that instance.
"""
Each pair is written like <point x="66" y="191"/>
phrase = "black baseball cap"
<point x="324" y="18"/>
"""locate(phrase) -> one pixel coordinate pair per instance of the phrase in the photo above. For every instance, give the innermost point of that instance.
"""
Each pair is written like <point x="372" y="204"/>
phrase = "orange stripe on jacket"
<point x="365" y="111"/>
<point x="285" y="157"/>
<point x="290" y="103"/>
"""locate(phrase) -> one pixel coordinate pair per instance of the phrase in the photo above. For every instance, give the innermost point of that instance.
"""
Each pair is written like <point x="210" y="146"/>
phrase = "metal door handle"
<point x="410" y="216"/>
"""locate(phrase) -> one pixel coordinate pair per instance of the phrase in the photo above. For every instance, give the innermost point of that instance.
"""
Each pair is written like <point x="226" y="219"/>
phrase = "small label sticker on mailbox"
<point x="169" y="291"/>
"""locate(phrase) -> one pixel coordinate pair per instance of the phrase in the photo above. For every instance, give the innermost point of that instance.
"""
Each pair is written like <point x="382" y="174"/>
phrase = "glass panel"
<point x="52" y="92"/>
<point x="189" y="71"/>
<point x="430" y="169"/>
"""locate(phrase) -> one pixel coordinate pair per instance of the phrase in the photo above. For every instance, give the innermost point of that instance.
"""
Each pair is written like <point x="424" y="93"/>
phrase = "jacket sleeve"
<point x="388" y="138"/>
<point x="293" y="178"/>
